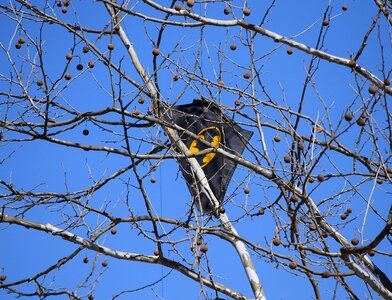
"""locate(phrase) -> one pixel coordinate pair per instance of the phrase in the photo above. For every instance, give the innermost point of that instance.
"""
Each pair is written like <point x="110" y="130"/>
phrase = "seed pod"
<point x="372" y="89"/>
<point x="247" y="11"/>
<point x="348" y="117"/>
<point x="277" y="138"/>
<point x="276" y="241"/>
<point x="287" y="159"/>
<point x="325" y="274"/>
<point x="294" y="198"/>
<point x="204" y="248"/>
<point x="320" y="177"/>
<point x="361" y="122"/>
<point x="190" y="3"/>
<point x="156" y="52"/>
<point x="289" y="51"/>
<point x="293" y="265"/>
<point x="246" y="191"/>
<point x="233" y="47"/>
<point x="355" y="241"/>
<point x="246" y="75"/>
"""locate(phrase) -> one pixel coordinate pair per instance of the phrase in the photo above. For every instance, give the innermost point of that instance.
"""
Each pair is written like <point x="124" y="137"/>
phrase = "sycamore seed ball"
<point x="276" y="241"/>
<point x="190" y="3"/>
<point x="156" y="52"/>
<point x="204" y="248"/>
<point x="355" y="241"/>
<point x="361" y="122"/>
<point x="247" y="11"/>
<point x="348" y="117"/>
<point x="325" y="274"/>
<point x="372" y="89"/>
<point x="293" y="265"/>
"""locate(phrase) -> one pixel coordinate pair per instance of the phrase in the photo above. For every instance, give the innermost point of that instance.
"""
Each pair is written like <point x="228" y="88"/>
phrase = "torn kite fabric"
<point x="209" y="123"/>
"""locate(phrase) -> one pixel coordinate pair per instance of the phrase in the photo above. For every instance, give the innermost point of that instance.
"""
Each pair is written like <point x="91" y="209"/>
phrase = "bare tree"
<point x="90" y="156"/>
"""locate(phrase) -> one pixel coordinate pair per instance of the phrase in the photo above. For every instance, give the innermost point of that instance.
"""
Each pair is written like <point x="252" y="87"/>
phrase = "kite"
<point x="206" y="120"/>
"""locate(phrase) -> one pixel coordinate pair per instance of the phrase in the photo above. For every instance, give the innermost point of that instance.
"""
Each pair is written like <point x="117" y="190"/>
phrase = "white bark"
<point x="172" y="134"/>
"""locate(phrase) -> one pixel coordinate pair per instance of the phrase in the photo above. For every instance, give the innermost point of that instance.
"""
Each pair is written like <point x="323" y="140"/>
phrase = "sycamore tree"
<point x="93" y="202"/>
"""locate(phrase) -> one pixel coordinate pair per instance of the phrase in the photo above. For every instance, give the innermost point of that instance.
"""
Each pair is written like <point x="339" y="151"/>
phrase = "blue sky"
<point x="41" y="166"/>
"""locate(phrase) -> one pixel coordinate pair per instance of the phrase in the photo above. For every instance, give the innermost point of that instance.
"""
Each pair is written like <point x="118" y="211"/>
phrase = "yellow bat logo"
<point x="214" y="136"/>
